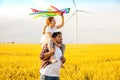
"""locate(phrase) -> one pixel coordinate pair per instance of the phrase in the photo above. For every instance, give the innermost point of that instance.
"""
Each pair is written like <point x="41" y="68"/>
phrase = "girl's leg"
<point x="51" y="46"/>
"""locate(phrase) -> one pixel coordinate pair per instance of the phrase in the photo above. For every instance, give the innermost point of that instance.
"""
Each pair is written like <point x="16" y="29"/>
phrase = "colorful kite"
<point x="50" y="12"/>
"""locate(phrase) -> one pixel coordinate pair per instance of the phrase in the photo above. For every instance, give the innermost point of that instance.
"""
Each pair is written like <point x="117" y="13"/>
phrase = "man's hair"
<point x="55" y="34"/>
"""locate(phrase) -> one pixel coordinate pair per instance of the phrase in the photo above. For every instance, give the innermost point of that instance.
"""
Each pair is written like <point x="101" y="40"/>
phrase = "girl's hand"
<point x="61" y="14"/>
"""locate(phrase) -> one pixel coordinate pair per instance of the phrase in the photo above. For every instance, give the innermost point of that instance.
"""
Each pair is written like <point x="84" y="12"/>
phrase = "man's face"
<point x="59" y="38"/>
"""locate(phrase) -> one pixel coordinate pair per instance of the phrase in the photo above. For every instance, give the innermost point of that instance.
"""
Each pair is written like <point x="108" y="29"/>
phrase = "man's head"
<point x="57" y="36"/>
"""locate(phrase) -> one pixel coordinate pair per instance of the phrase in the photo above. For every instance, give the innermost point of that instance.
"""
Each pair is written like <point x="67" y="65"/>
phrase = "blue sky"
<point x="102" y="27"/>
<point x="79" y="2"/>
<point x="14" y="2"/>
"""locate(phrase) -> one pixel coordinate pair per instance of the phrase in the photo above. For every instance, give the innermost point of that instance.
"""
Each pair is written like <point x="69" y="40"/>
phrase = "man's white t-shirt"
<point x="54" y="68"/>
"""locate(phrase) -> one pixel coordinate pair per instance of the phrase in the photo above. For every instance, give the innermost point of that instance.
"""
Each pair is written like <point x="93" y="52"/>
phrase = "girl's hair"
<point x="49" y="19"/>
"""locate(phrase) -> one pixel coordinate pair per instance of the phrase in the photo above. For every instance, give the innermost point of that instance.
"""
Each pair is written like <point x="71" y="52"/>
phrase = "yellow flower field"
<point x="84" y="62"/>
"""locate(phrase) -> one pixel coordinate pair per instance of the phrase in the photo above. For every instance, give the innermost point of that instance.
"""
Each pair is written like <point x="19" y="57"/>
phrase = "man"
<point x="50" y="71"/>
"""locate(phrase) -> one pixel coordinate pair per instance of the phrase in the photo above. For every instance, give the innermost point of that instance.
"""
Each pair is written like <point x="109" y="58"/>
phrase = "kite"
<point x="50" y="12"/>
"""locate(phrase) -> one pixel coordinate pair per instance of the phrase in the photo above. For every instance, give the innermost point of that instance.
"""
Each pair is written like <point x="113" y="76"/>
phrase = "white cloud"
<point x="17" y="11"/>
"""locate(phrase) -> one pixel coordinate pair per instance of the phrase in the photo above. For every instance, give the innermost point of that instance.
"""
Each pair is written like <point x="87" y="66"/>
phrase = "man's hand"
<point x="63" y="59"/>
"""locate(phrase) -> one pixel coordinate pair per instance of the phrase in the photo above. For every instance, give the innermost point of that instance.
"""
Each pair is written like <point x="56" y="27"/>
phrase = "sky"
<point x="102" y="26"/>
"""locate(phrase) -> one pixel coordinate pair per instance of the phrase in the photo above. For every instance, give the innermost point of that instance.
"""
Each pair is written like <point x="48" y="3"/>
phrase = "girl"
<point x="48" y="30"/>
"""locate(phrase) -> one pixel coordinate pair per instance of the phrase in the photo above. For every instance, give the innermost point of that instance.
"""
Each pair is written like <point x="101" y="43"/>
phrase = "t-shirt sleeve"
<point x="48" y="29"/>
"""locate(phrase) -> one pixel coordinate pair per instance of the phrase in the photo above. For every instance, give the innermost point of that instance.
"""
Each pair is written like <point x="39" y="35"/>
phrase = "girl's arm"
<point x="59" y="26"/>
<point x="44" y="29"/>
